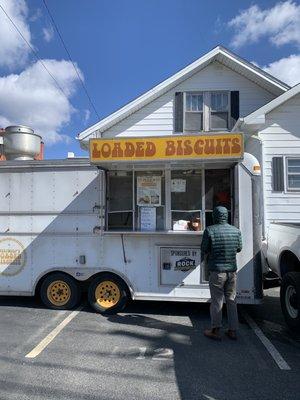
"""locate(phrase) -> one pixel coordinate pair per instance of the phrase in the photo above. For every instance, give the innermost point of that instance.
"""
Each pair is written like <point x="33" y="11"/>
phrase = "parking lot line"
<point x="277" y="357"/>
<point x="52" y="335"/>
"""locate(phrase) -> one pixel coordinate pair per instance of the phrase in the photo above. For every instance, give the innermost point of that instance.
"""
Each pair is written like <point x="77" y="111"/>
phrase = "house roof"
<point x="219" y="54"/>
<point x="256" y="119"/>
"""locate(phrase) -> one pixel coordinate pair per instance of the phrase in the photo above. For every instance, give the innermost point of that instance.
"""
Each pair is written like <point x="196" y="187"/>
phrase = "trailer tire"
<point x="60" y="292"/>
<point x="108" y="294"/>
<point x="290" y="299"/>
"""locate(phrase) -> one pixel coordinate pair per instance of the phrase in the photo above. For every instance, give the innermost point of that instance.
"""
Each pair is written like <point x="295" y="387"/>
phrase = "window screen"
<point x="186" y="198"/>
<point x="120" y="200"/>
<point x="194" y="112"/>
<point x="219" y="110"/>
<point x="148" y="197"/>
<point x="293" y="173"/>
<point x="217" y="192"/>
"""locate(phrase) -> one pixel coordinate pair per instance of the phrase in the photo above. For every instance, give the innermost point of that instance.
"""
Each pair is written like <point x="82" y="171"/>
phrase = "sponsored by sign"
<point x="167" y="148"/>
<point x="180" y="265"/>
<point x="180" y="258"/>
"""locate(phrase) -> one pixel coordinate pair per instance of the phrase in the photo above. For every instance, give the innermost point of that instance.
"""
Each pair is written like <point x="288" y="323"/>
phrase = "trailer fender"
<point x="39" y="279"/>
<point x="119" y="275"/>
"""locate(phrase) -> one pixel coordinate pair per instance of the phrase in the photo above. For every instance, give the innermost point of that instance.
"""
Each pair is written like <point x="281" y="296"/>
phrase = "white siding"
<point x="157" y="117"/>
<point x="281" y="137"/>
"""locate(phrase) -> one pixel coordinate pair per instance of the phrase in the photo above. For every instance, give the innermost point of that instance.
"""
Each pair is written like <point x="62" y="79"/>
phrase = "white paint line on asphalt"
<point x="277" y="357"/>
<point x="52" y="335"/>
<point x="52" y="320"/>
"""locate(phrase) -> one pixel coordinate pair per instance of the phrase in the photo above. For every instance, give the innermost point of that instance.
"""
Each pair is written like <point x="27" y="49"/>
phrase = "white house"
<point x="222" y="92"/>
<point x="272" y="133"/>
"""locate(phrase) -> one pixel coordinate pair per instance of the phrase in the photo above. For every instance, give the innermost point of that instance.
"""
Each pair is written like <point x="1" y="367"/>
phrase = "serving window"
<point x="186" y="199"/>
<point x="150" y="200"/>
<point x="218" y="192"/>
<point x="165" y="200"/>
<point x="120" y="210"/>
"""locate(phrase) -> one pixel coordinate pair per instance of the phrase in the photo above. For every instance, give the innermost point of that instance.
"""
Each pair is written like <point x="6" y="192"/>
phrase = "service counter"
<point x="156" y="233"/>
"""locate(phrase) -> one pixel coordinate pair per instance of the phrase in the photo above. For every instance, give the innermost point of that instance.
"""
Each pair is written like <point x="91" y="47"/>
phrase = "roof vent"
<point x="21" y="143"/>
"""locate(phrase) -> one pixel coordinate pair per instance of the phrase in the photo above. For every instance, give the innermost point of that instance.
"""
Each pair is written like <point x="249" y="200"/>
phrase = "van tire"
<point x="290" y="300"/>
<point x="108" y="294"/>
<point x="60" y="292"/>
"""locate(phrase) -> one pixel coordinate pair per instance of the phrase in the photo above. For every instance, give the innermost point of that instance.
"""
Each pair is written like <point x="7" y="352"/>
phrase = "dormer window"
<point x="196" y="112"/>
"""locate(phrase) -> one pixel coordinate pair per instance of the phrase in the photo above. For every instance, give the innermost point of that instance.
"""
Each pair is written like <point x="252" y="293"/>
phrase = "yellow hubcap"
<point x="107" y="294"/>
<point x="59" y="293"/>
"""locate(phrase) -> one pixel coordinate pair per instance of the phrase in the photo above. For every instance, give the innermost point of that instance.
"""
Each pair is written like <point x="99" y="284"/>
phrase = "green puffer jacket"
<point x="221" y="242"/>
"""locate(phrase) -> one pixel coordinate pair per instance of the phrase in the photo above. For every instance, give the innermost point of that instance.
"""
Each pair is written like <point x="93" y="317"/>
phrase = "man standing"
<point x="220" y="244"/>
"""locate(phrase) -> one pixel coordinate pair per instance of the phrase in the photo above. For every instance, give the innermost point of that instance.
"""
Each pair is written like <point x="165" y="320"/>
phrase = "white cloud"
<point x="87" y="115"/>
<point x="280" y="24"/>
<point x="13" y="49"/>
<point x="48" y="34"/>
<point x="32" y="98"/>
<point x="37" y="14"/>
<point x="287" y="69"/>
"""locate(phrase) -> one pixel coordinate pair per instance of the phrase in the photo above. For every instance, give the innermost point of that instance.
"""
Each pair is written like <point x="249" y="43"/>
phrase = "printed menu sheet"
<point x="148" y="190"/>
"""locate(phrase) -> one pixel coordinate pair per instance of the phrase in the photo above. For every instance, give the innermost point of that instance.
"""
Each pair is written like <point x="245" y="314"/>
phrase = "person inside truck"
<point x="220" y="244"/>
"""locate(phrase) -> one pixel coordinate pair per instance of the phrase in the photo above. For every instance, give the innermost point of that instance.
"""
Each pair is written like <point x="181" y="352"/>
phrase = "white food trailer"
<point x="128" y="221"/>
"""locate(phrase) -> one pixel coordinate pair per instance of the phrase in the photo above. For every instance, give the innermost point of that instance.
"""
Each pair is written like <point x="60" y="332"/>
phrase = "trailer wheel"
<point x="107" y="294"/>
<point x="60" y="291"/>
<point x="290" y="299"/>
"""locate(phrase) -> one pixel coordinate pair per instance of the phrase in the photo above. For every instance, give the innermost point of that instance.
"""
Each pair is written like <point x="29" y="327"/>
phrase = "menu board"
<point x="148" y="218"/>
<point x="148" y="190"/>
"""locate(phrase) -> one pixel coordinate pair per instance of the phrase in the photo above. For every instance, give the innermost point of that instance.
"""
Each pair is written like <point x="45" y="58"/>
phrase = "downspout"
<point x="240" y="126"/>
<point x="251" y="165"/>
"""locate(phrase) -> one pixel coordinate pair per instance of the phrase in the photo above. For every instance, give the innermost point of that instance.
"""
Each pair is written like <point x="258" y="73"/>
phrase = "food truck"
<point x="127" y="222"/>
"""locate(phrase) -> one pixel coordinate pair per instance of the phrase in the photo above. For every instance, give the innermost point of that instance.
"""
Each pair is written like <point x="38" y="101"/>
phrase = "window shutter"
<point x="277" y="174"/>
<point x="178" y="112"/>
<point x="234" y="107"/>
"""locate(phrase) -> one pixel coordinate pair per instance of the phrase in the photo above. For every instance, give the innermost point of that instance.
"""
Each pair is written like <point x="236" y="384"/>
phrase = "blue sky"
<point x="123" y="48"/>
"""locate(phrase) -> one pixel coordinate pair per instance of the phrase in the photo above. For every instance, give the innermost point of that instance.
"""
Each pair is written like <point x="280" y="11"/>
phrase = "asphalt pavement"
<point x="150" y="351"/>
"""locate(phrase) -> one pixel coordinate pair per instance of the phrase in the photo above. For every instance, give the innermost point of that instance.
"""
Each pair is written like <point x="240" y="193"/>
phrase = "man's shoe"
<point x="231" y="334"/>
<point x="213" y="333"/>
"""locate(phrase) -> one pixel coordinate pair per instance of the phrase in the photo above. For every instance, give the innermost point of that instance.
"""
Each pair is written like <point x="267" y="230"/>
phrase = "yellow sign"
<point x="167" y="148"/>
<point x="12" y="256"/>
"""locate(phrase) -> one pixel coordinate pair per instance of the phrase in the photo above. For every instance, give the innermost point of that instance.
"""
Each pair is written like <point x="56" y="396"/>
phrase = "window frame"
<point x="107" y="208"/>
<point x="206" y="110"/>
<point x="134" y="212"/>
<point x="286" y="174"/>
<point x="193" y="112"/>
<point x="167" y="206"/>
<point x="228" y="110"/>
<point x="172" y="210"/>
